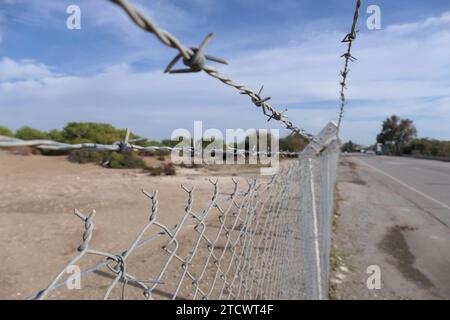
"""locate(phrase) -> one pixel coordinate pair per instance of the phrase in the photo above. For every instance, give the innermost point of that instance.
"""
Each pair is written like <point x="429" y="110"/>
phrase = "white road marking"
<point x="408" y="186"/>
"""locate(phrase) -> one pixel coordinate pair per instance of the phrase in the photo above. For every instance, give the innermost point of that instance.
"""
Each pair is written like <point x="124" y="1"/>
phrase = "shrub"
<point x="293" y="143"/>
<point x="56" y="135"/>
<point x="118" y="161"/>
<point x="91" y="132"/>
<point x="84" y="156"/>
<point x="126" y="161"/>
<point x="28" y="133"/>
<point x="169" y="169"/>
<point x="166" y="169"/>
<point x="155" y="171"/>
<point x="4" y="131"/>
<point x="428" y="147"/>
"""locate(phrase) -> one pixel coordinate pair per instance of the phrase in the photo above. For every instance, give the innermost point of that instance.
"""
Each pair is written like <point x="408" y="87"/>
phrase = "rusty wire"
<point x="348" y="57"/>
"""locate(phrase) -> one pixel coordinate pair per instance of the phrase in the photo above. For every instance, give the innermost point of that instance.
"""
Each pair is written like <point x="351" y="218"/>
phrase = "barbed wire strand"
<point x="195" y="60"/>
<point x="255" y="251"/>
<point x="349" y="38"/>
<point x="128" y="147"/>
<point x="245" y="244"/>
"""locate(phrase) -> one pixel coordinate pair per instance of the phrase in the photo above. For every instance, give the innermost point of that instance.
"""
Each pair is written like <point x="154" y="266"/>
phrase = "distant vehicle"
<point x="371" y="152"/>
<point x="379" y="148"/>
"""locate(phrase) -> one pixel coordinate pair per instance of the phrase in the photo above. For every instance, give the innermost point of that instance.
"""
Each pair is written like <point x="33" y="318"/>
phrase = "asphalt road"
<point x="394" y="212"/>
<point x="426" y="182"/>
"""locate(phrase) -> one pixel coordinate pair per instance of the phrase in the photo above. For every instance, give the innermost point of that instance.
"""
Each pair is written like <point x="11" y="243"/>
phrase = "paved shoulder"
<point x="425" y="182"/>
<point x="391" y="220"/>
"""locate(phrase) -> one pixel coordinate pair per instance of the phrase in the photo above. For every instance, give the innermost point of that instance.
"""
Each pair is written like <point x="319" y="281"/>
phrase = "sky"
<point x="112" y="71"/>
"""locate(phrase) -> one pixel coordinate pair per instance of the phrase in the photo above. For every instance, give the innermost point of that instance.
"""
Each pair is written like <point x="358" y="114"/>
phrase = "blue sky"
<point x="112" y="71"/>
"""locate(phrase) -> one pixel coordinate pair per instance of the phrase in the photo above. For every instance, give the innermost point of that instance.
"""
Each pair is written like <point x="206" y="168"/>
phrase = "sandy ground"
<point x="380" y="224"/>
<point x="39" y="233"/>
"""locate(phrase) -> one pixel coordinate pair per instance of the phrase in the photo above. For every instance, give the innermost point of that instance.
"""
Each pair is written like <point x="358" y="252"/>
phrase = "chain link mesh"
<point x="264" y="239"/>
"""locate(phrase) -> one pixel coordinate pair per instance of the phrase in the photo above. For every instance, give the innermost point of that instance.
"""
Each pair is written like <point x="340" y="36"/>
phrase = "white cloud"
<point x="442" y="20"/>
<point x="402" y="69"/>
<point x="11" y="70"/>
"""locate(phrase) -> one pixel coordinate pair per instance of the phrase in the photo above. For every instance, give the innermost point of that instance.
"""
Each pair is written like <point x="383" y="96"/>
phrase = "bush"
<point x="4" y="131"/>
<point x="84" y="156"/>
<point x="167" y="170"/>
<point x="91" y="132"/>
<point x="79" y="132"/>
<point x="126" y="161"/>
<point x="428" y="147"/>
<point x="293" y="143"/>
<point x="350" y="147"/>
<point x="56" y="135"/>
<point x="155" y="171"/>
<point x="28" y="133"/>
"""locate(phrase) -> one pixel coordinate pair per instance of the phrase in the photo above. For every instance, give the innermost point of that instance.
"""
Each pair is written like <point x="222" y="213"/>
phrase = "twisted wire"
<point x="349" y="38"/>
<point x="195" y="59"/>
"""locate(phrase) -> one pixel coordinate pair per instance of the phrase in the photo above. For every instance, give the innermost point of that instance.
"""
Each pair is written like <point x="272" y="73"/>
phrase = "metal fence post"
<point x="315" y="235"/>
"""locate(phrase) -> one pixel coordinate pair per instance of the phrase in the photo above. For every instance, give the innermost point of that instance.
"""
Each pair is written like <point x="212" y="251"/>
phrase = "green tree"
<point x="349" y="147"/>
<point x="4" y="131"/>
<point x="398" y="132"/>
<point x="103" y="133"/>
<point x="56" y="135"/>
<point x="28" y="133"/>
<point x="293" y="143"/>
<point x="428" y="147"/>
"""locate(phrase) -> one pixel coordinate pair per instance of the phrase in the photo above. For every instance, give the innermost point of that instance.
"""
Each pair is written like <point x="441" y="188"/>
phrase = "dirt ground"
<point x="39" y="233"/>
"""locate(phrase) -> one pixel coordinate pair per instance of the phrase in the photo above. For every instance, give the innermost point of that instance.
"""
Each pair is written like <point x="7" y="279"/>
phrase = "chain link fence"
<point x="266" y="238"/>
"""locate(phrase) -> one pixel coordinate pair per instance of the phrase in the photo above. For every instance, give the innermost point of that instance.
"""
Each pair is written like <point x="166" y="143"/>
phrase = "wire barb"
<point x="246" y="244"/>
<point x="195" y="60"/>
<point x="349" y="38"/>
<point x="263" y="242"/>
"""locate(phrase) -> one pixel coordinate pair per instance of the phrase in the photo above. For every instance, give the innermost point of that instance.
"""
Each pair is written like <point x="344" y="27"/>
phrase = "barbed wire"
<point x="125" y="146"/>
<point x="249" y="242"/>
<point x="349" y="38"/>
<point x="267" y="241"/>
<point x="128" y="146"/>
<point x="195" y="61"/>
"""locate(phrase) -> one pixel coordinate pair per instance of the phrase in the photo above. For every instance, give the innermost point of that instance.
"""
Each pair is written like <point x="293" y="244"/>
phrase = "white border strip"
<point x="408" y="186"/>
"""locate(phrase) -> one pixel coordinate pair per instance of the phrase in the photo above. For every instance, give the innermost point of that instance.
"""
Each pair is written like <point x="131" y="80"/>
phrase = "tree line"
<point x="399" y="137"/>
<point x="103" y="133"/>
